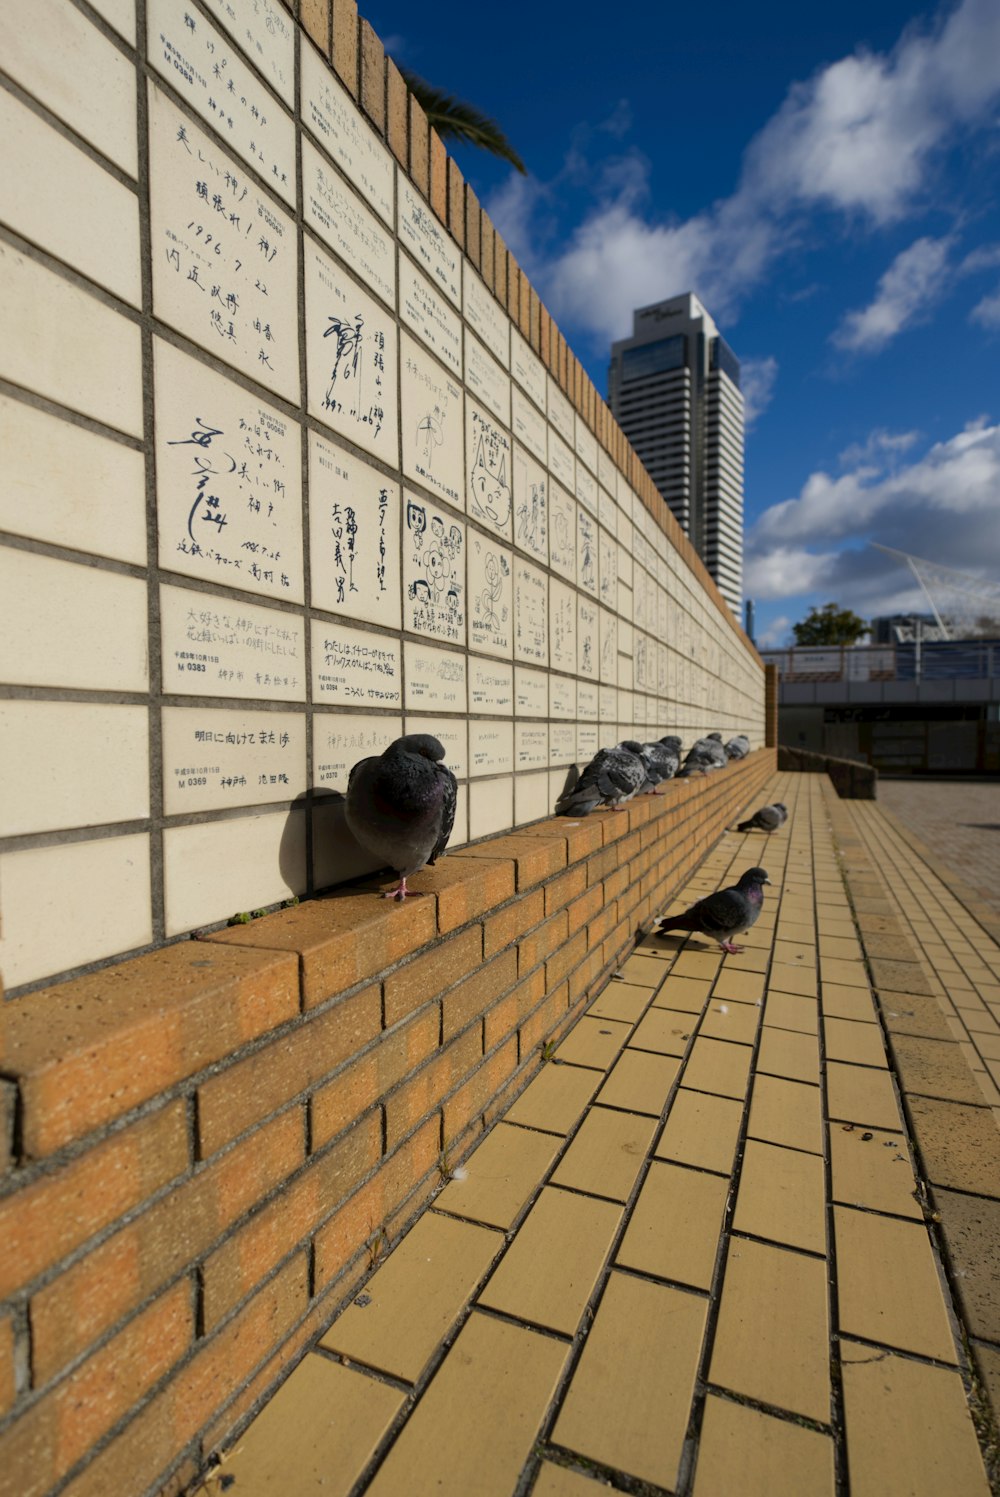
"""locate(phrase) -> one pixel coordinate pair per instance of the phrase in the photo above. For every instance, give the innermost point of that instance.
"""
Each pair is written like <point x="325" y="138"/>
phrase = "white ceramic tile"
<point x="586" y="551"/>
<point x="72" y="764"/>
<point x="90" y="633"/>
<point x="560" y="411"/>
<point x="531" y="692"/>
<point x="607" y="473"/>
<point x="486" y="380"/>
<point x="224" y="257"/>
<point x="429" y="316"/>
<point x="586" y="489"/>
<point x="491" y="748"/>
<point x="354" y="529"/>
<point x="528" y="424"/>
<point x="531" y="746"/>
<point x="625" y="561"/>
<point x="355" y="667"/>
<point x="70" y="904"/>
<point x="607" y="552"/>
<point x="228" y="481"/>
<point x="431" y="424"/>
<point x="562" y="743"/>
<point x="607" y="512"/>
<point x="530" y="505"/>
<point x="434" y="597"/>
<point x="531" y="607"/>
<point x="625" y="629"/>
<point x="346" y="226"/>
<point x="562" y="698"/>
<point x="266" y="33"/>
<point x="585" y="443"/>
<point x="82" y="215"/>
<point x="333" y="118"/>
<point x="436" y="680"/>
<point x="63" y="343"/>
<point x="562" y="531"/>
<point x="215" y="758"/>
<point x="202" y="64"/>
<point x="643" y="670"/>
<point x="491" y="686"/>
<point x="221" y="868"/>
<point x="588" y="741"/>
<point x="562" y="463"/>
<point x="451" y="732"/>
<point x="484" y="313"/>
<point x="48" y="48"/>
<point x="351" y="356"/>
<point x="223" y="647"/>
<point x="428" y="241"/>
<point x="587" y="702"/>
<point x="343" y="739"/>
<point x="491" y="807"/>
<point x="587" y="642"/>
<point x="64" y="484"/>
<point x="608" y="635"/>
<point x="460" y="831"/>
<point x="562" y="627"/>
<point x="488" y="495"/>
<point x="532" y="798"/>
<point x="491" y="596"/>
<point x="527" y="368"/>
<point x="121" y="15"/>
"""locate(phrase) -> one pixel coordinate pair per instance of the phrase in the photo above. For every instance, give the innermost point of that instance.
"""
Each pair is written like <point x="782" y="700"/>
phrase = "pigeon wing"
<point x="722" y="913"/>
<point x="620" y="773"/>
<point x="449" y="796"/>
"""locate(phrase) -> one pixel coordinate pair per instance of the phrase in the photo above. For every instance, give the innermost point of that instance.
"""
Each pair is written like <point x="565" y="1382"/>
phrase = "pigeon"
<point x="766" y="819"/>
<point x="662" y="760"/>
<point x="612" y="777"/>
<point x="705" y="755"/>
<point x="724" y="914"/>
<point x="401" y="805"/>
<point x="738" y="747"/>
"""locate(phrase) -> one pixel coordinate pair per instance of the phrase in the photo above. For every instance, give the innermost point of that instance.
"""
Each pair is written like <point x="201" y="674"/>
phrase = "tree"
<point x="830" y="625"/>
<point x="455" y="120"/>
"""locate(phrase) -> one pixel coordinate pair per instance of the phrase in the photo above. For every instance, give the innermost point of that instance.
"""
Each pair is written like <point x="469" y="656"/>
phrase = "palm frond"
<point x="455" y="120"/>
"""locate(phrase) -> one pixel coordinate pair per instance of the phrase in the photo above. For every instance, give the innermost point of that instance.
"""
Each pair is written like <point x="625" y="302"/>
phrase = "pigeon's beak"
<point x="767" y="880"/>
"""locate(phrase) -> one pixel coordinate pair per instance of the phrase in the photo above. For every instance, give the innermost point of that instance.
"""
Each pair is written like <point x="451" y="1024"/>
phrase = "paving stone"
<point x="640" y="1082"/>
<point x="960" y="1145"/>
<point x="560" y="1481"/>
<point x="786" y="1112"/>
<point x="549" y="1270"/>
<point x="908" y="1428"/>
<point x="791" y="979"/>
<point x="664" y="1031"/>
<point x="840" y="1002"/>
<point x="934" y="1068"/>
<point x="791" y="1011"/>
<point x="731" y="1021"/>
<point x="842" y="948"/>
<point x="750" y="959"/>
<point x="772" y="1339"/>
<point x="593" y="1042"/>
<point x="606" y="1154"/>
<point x="628" y="1405"/>
<point x="409" y="1304"/>
<point x="744" y="987"/>
<point x="295" y="1446"/>
<point x="500" y="1176"/>
<point x="872" y="1169"/>
<point x="785" y="1052"/>
<point x="847" y="974"/>
<point x="988" y="1367"/>
<point x="687" y="994"/>
<point x="475" y="1426"/>
<point x="624" y="1001"/>
<point x="888" y="1288"/>
<point x="896" y="946"/>
<point x="715" y="1066"/>
<point x="643" y="971"/>
<point x="698" y="961"/>
<point x="555" y="1099"/>
<point x="897" y="977"/>
<point x="674" y="1229"/>
<point x="782" y="1196"/>
<point x="701" y="1130"/>
<point x="971" y="1226"/>
<point x="803" y="931"/>
<point x="797" y="953"/>
<point x="862" y="1094"/>
<point x="744" y="1451"/>
<point x="859" y="1044"/>
<point x="914" y="1013"/>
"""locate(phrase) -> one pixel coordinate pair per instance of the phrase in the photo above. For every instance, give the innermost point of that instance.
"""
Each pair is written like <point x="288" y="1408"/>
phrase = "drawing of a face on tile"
<point x="530" y="505"/>
<point x="433" y="571"/>
<point x="586" y="550"/>
<point x="228" y="481"/>
<point x="431" y="424"/>
<point x="587" y="641"/>
<point x="531" y="604"/>
<point x="562" y="627"/>
<point x="350" y="358"/>
<point x="491" y="597"/>
<point x="354" y="518"/>
<point x="488" y="493"/>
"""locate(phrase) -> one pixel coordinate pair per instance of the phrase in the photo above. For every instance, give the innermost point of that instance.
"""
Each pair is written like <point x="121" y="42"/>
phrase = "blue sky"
<point x="828" y="182"/>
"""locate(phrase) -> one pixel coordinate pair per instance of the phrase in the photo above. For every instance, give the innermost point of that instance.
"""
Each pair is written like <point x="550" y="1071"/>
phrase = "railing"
<point x="944" y="660"/>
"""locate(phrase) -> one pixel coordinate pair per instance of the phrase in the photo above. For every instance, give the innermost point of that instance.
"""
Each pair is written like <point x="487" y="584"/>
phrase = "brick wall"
<point x="209" y="1144"/>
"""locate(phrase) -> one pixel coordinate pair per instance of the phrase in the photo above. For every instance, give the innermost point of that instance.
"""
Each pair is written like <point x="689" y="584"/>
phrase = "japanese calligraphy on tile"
<point x="355" y="667"/>
<point x="332" y="118"/>
<point x="531" y="603"/>
<point x="266" y="34"/>
<point x="354" y="525"/>
<point x="341" y="739"/>
<point x="214" y="646"/>
<point x="491" y="686"/>
<point x="214" y="758"/>
<point x="344" y="223"/>
<point x="434" y="678"/>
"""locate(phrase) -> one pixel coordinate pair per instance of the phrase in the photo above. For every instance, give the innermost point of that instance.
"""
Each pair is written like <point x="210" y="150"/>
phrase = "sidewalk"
<point x="697" y="1253"/>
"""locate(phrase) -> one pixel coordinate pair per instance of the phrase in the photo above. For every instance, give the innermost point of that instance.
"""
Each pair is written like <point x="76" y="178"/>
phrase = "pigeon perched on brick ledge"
<point x="738" y="747"/>
<point x="662" y="761"/>
<point x="401" y="805"/>
<point x="724" y="914"/>
<point x="612" y="777"/>
<point x="703" y="756"/>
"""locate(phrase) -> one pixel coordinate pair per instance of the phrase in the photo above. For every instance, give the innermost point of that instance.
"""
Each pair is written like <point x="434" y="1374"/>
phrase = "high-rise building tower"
<point x="674" y="387"/>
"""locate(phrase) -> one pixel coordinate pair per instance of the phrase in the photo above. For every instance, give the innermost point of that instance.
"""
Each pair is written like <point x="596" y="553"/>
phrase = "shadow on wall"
<point x="317" y="822"/>
<point x="852" y="781"/>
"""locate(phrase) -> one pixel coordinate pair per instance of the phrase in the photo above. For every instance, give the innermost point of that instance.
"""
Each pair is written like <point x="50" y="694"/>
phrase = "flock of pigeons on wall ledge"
<point x="401" y="804"/>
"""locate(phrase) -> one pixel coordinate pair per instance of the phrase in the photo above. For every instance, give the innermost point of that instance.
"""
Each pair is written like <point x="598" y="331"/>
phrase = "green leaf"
<point x="455" y="120"/>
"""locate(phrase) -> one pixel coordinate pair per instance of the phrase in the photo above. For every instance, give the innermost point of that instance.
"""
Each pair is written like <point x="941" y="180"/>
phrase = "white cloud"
<point x="881" y="448"/>
<point x="757" y="381"/>
<point x="906" y="293"/>
<point x="775" y="633"/>
<point x="987" y="312"/>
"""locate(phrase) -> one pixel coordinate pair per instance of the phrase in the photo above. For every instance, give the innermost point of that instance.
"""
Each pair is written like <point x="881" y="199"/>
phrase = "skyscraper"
<point x="674" y="387"/>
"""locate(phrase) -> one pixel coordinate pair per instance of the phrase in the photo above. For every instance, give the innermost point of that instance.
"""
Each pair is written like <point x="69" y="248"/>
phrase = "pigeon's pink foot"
<point x="731" y="948"/>
<point x="400" y="892"/>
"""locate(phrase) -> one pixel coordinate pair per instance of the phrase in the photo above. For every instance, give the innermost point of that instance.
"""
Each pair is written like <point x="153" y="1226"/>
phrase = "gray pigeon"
<point x="662" y="760"/>
<point x="612" y="777"/>
<point x="401" y="805"/>
<point x="766" y="819"/>
<point x="724" y="914"/>
<point x="738" y="747"/>
<point x="704" y="755"/>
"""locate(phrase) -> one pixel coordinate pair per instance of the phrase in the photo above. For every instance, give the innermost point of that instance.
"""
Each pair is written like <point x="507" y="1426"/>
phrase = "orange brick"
<point x="85" y="1301"/>
<point x="397" y="112"/>
<point x="569" y="955"/>
<point x="8" y="1101"/>
<point x="584" y="979"/>
<point x="127" y="1033"/>
<point x="468" y="1000"/>
<point x="467" y="888"/>
<point x="427" y="976"/>
<point x="315" y="21"/>
<point x="561" y="891"/>
<point x="456" y="202"/>
<point x="535" y="857"/>
<point x="540" y="1024"/>
<point x="439" y="176"/>
<point x="420" y="160"/>
<point x="372" y="76"/>
<point x="44" y="1221"/>
<point x="473" y="236"/>
<point x="342" y="1100"/>
<point x="542" y="942"/>
<point x="265" y="1081"/>
<point x="486" y="244"/>
<point x="423" y="1092"/>
<point x="345" y="43"/>
<point x="506" y="925"/>
<point x="506" y="1015"/>
<point x="471" y="1099"/>
<point x="602" y="923"/>
<point x="7" y="1378"/>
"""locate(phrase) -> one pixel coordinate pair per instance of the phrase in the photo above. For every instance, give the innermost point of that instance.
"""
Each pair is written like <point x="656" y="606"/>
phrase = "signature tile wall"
<point x="294" y="460"/>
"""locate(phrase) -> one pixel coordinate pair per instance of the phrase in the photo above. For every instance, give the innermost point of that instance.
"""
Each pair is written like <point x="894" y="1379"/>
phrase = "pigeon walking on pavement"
<point x="662" y="762"/>
<point x="401" y="805"/>
<point x="612" y="777"/>
<point x="765" y="819"/>
<point x="724" y="914"/>
<point x="704" y="755"/>
<point x="738" y="747"/>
